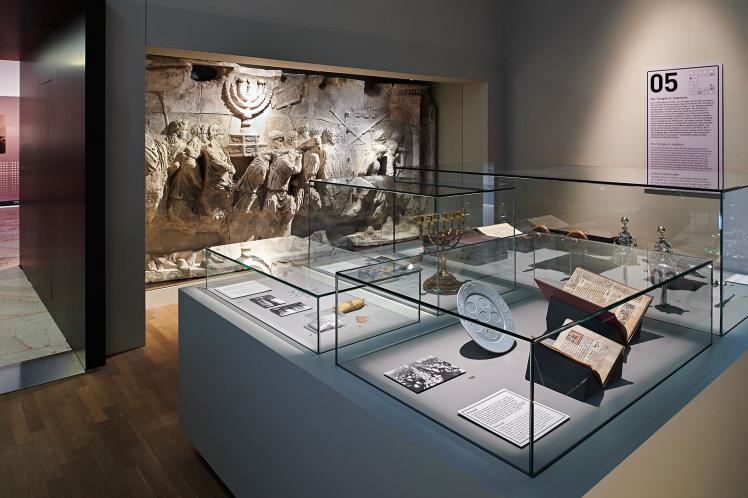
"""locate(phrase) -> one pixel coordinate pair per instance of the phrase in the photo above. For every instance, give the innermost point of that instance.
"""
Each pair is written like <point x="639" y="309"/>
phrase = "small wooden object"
<point x="352" y="305"/>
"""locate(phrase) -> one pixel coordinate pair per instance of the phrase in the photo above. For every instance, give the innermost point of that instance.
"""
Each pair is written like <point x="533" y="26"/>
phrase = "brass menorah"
<point x="441" y="231"/>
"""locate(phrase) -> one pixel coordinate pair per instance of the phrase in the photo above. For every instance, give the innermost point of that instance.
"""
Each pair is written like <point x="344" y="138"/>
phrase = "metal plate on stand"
<point x="481" y="302"/>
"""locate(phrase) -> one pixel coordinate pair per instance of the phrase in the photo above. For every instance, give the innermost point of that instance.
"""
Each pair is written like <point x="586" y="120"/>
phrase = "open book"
<point x="589" y="292"/>
<point x="603" y="292"/>
<point x="587" y="348"/>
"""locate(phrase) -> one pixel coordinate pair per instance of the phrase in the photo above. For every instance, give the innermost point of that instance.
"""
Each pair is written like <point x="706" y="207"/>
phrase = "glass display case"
<point x="379" y="215"/>
<point x="288" y="284"/>
<point x="592" y="202"/>
<point x="538" y="349"/>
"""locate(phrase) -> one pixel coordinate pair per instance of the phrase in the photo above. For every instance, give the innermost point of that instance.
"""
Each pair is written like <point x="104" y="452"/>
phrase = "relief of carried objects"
<point x="230" y="151"/>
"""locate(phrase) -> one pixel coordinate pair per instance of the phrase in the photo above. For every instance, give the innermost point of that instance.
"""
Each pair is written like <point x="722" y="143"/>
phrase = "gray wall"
<point x="575" y="94"/>
<point x="440" y="38"/>
<point x="576" y="75"/>
<point x="125" y="193"/>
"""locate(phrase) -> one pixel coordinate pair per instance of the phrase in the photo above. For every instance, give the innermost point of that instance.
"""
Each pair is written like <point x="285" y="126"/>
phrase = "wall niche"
<point x="230" y="151"/>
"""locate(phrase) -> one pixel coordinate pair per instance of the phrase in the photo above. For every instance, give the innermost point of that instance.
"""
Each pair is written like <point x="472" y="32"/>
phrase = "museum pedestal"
<point x="273" y="419"/>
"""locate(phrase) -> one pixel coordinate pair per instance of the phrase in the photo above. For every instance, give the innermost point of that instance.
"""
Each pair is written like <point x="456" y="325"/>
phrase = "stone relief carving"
<point x="229" y="157"/>
<point x="247" y="93"/>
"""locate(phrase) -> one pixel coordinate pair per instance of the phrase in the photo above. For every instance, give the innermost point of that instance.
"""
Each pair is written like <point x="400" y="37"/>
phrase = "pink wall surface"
<point x="9" y="159"/>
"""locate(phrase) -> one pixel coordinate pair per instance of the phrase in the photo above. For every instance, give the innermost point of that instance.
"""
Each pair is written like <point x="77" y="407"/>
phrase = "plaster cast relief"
<point x="229" y="156"/>
<point x="247" y="92"/>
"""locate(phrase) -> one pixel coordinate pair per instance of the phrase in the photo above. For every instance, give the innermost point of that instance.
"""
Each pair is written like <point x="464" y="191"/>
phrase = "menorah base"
<point x="442" y="284"/>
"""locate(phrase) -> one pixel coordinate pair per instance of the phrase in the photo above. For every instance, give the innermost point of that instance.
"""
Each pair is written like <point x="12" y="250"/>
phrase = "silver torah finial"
<point x="624" y="237"/>
<point x="662" y="244"/>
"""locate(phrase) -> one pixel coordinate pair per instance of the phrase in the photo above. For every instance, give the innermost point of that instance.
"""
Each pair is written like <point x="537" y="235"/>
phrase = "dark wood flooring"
<point x="111" y="432"/>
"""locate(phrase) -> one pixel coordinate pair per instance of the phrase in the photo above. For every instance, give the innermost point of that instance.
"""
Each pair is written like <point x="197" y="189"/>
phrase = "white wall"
<point x="576" y="82"/>
<point x="10" y="78"/>
<point x="440" y="38"/>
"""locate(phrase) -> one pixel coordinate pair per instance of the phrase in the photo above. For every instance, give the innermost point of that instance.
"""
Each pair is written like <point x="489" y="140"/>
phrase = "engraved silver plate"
<point x="481" y="302"/>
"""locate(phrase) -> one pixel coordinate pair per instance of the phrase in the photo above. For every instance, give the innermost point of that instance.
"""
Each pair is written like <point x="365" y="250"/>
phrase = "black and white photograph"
<point x="268" y="301"/>
<point x="424" y="374"/>
<point x="290" y="309"/>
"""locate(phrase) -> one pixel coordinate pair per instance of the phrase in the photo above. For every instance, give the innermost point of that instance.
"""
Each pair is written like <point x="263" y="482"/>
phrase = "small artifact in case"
<point x="481" y="302"/>
<point x="624" y="237"/>
<point x="352" y="305"/>
<point x="326" y="322"/>
<point x="662" y="244"/>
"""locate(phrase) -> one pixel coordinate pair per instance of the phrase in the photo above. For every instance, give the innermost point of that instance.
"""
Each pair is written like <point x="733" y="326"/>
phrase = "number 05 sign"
<point x="684" y="127"/>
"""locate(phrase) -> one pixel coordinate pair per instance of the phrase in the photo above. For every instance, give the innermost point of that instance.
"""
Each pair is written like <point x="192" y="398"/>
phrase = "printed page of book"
<point x="603" y="291"/>
<point x="588" y="348"/>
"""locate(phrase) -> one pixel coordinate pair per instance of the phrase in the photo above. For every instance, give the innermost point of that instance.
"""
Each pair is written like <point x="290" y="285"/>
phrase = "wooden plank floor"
<point x="112" y="432"/>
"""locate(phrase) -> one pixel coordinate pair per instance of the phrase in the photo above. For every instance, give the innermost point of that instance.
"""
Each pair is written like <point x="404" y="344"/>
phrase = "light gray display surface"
<point x="275" y="420"/>
<point x="646" y="363"/>
<point x="377" y="318"/>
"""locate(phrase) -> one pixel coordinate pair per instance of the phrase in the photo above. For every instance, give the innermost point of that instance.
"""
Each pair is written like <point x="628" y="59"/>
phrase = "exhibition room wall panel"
<point x="575" y="94"/>
<point x="575" y="84"/>
<point x="52" y="197"/>
<point x="61" y="242"/>
<point x="125" y="210"/>
<point x="462" y="123"/>
<point x="441" y="39"/>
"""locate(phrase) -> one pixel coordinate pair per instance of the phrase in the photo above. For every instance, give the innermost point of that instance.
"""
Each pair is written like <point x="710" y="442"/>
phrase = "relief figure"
<point x="156" y="175"/>
<point x="218" y="180"/>
<point x="187" y="181"/>
<point x="285" y="162"/>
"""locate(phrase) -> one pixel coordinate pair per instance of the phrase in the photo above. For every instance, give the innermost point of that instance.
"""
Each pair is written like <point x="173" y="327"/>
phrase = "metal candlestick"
<point x="441" y="231"/>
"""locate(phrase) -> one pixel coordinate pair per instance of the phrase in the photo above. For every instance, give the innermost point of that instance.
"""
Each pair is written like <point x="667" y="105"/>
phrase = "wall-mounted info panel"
<point x="684" y="127"/>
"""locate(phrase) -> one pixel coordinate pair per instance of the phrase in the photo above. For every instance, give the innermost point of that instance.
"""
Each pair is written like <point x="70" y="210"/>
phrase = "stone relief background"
<point x="230" y="150"/>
